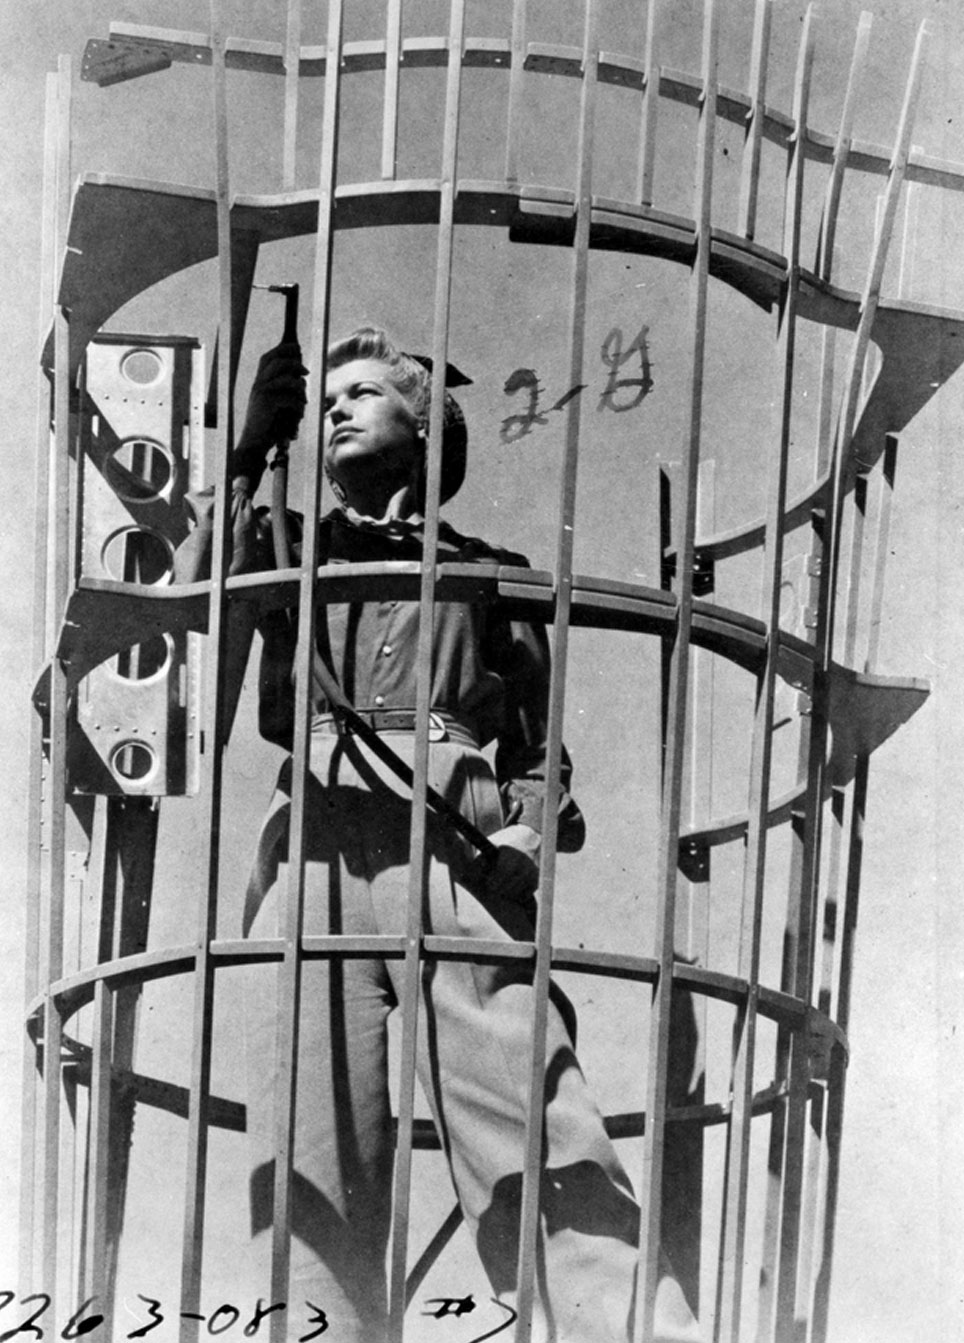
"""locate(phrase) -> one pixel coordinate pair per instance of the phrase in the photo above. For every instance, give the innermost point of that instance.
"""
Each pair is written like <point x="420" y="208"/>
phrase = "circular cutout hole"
<point x="139" y="470"/>
<point x="135" y="555"/>
<point x="144" y="660"/>
<point x="132" y="761"/>
<point x="142" y="367"/>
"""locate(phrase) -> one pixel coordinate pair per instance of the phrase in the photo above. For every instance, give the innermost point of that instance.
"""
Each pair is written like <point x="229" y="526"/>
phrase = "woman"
<point x="489" y="681"/>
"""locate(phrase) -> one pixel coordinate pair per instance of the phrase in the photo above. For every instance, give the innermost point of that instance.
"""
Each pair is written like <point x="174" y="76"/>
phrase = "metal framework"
<point x="93" y="827"/>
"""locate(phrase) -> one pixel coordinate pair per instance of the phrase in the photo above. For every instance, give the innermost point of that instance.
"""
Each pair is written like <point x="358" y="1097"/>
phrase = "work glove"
<point x="513" y="873"/>
<point x="276" y="405"/>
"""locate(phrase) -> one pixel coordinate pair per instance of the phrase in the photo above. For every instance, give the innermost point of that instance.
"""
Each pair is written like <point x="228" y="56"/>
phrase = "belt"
<point x="442" y="726"/>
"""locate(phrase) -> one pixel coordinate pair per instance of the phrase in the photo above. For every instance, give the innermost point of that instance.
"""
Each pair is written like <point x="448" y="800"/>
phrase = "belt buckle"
<point x="437" y="731"/>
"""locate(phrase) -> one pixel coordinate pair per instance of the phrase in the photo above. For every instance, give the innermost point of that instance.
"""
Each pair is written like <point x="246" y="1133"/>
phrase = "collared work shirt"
<point x="488" y="672"/>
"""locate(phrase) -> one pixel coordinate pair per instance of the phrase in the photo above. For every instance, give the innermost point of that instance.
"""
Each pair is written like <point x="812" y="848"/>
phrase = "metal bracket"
<point x="114" y="62"/>
<point x="694" y="861"/>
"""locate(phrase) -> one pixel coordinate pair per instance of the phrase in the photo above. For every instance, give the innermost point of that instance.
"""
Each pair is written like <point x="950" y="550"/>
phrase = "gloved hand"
<point x="276" y="404"/>
<point x="514" y="875"/>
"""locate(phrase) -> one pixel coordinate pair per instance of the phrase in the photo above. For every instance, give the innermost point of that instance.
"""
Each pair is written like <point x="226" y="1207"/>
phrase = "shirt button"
<point x="387" y="650"/>
<point x="379" y="700"/>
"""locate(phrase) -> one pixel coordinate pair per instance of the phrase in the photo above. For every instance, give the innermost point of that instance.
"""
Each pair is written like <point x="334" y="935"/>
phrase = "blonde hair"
<point x="413" y="378"/>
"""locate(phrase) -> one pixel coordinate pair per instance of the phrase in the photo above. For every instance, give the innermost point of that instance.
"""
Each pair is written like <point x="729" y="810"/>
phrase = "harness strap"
<point x="345" y="712"/>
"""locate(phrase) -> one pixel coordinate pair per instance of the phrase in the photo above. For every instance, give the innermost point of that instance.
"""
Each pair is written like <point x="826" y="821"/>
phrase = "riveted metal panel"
<point x="135" y="726"/>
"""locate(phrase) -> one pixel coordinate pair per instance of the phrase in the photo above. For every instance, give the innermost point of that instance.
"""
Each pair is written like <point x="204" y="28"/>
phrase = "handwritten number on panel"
<point x="154" y="1310"/>
<point x="318" y="1318"/>
<point x="260" y="1311"/>
<point x="449" y="1305"/>
<point x="513" y="1316"/>
<point x="515" y="427"/>
<point x="76" y="1327"/>
<point x="614" y="357"/>
<point x="226" y="1309"/>
<point x="456" y="1306"/>
<point x="28" y="1323"/>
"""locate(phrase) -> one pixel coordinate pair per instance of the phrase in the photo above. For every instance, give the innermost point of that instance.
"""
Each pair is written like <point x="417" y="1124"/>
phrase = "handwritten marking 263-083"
<point x="621" y="392"/>
<point x="220" y="1320"/>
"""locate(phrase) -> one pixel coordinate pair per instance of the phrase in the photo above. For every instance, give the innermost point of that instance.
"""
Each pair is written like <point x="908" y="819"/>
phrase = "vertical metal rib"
<point x="858" y="514"/>
<point x="871" y="366"/>
<point x="824" y="438"/>
<point x="826" y="996"/>
<point x="828" y="224"/>
<point x="686" y="1144"/>
<point x="834" y="1124"/>
<point x="40" y="652"/>
<point x="94" y="1150"/>
<point x="789" y="1131"/>
<point x="912" y="203"/>
<point x="418" y="860"/>
<point x="393" y="62"/>
<point x="841" y="469"/>
<point x="838" y="1073"/>
<point x="516" y="81"/>
<point x="754" y="875"/>
<point x="557" y="688"/>
<point x="56" y="869"/>
<point x="799" y="859"/>
<point x="289" y="984"/>
<point x="701" y="753"/>
<point x="838" y="932"/>
<point x="827" y="927"/>
<point x="827" y="921"/>
<point x="203" y="1007"/>
<point x="61" y="550"/>
<point x="753" y="144"/>
<point x="678" y="686"/>
<point x="885" y="482"/>
<point x="868" y="311"/>
<point x="837" y="1079"/>
<point x="650" y="110"/>
<point x="881" y="549"/>
<point x="292" y="88"/>
<point x="98" y="1159"/>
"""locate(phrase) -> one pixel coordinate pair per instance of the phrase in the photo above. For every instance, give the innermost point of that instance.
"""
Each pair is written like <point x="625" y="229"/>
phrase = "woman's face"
<point x="370" y="430"/>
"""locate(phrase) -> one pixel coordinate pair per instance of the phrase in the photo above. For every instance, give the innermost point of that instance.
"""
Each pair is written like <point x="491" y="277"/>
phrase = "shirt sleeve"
<point x="192" y="559"/>
<point x="519" y="653"/>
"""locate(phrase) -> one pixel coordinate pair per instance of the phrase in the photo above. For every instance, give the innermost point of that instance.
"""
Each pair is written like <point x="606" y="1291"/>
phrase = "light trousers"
<point x="473" y="1051"/>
